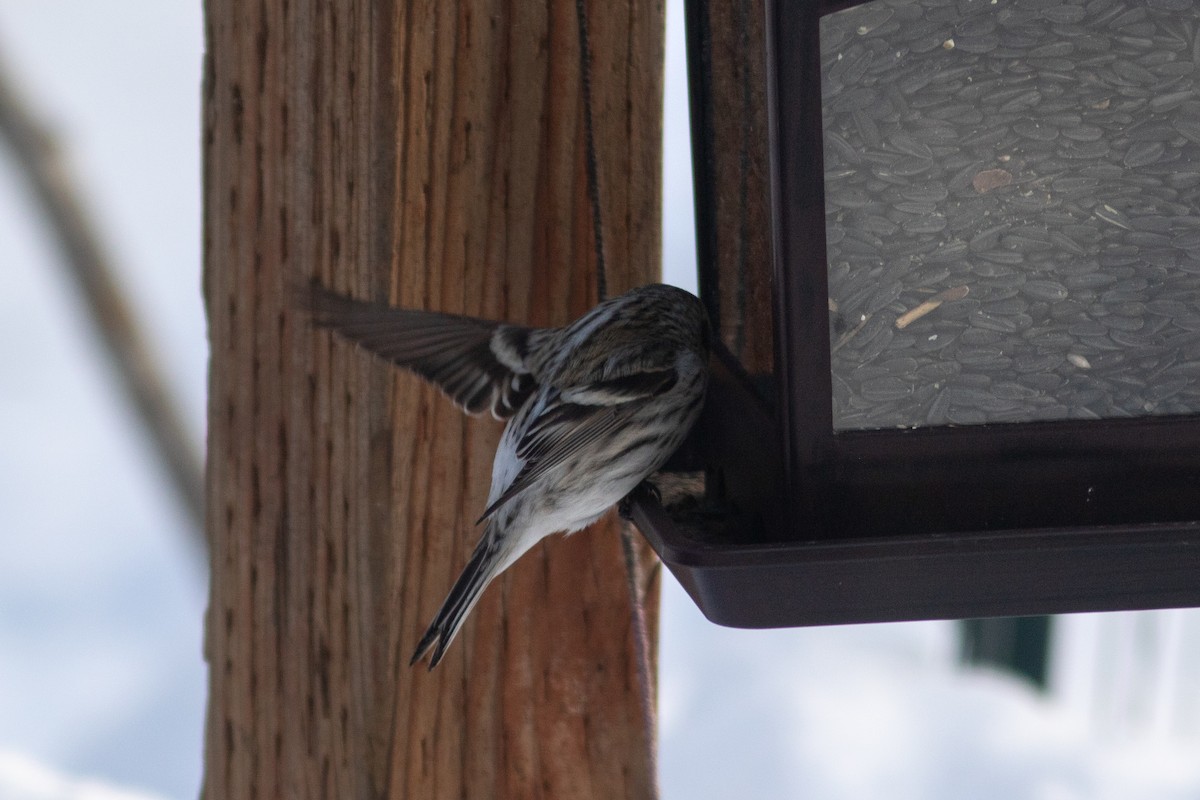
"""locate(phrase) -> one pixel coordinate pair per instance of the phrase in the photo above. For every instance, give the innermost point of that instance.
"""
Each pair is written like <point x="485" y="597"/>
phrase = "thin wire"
<point x="641" y="643"/>
<point x="637" y="606"/>
<point x="593" y="176"/>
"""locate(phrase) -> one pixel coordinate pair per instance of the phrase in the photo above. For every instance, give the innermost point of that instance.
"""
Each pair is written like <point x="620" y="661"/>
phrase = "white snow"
<point x="22" y="778"/>
<point x="881" y="711"/>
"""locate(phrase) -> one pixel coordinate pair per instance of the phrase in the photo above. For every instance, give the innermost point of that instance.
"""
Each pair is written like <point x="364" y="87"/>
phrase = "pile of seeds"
<point x="1012" y="198"/>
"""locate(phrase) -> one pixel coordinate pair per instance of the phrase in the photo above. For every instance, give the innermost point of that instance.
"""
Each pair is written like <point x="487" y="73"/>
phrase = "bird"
<point x="593" y="408"/>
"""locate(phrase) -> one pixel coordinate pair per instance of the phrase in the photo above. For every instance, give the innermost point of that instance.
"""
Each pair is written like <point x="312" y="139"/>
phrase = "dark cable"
<point x="593" y="177"/>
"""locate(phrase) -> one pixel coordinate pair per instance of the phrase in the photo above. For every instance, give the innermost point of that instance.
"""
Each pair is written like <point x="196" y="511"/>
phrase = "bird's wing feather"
<point x="635" y="386"/>
<point x="576" y="418"/>
<point x="455" y="353"/>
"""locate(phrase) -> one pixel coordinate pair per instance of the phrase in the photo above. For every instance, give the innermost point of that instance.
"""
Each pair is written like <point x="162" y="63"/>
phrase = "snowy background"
<point x="102" y="685"/>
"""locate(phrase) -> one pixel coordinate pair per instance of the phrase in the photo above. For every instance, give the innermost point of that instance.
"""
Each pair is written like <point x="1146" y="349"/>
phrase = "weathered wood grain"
<point x="428" y="153"/>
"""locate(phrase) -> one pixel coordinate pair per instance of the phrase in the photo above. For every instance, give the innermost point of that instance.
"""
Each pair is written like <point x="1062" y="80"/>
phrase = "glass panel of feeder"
<point x="1012" y="193"/>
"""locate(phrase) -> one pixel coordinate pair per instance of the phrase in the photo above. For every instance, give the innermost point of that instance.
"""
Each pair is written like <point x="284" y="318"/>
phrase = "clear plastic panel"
<point x="1012" y="195"/>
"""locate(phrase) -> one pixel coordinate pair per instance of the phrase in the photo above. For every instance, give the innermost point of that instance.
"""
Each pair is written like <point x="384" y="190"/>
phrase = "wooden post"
<point x="727" y="66"/>
<point x="428" y="153"/>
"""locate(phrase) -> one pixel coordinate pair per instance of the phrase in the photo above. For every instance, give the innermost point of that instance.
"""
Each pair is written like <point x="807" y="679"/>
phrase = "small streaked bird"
<point x="593" y="408"/>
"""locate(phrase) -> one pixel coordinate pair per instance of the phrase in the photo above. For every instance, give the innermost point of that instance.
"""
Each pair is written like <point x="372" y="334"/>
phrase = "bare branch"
<point x="45" y="168"/>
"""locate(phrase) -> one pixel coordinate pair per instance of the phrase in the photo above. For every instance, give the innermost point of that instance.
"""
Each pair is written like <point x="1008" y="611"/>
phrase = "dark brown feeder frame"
<point x="816" y="527"/>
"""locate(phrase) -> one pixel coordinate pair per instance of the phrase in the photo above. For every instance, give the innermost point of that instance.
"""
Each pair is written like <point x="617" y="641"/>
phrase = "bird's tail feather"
<point x="484" y="565"/>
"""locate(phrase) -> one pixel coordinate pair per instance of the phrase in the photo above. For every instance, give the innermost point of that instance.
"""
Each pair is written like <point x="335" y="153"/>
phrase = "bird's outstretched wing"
<point x="577" y="418"/>
<point x="480" y="365"/>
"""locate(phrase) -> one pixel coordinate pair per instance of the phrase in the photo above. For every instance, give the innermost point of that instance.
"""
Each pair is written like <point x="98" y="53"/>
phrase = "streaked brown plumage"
<point x="594" y="408"/>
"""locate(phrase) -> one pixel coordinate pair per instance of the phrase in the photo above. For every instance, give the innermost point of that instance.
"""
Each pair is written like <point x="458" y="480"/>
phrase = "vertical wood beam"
<point x="727" y="75"/>
<point x="428" y="153"/>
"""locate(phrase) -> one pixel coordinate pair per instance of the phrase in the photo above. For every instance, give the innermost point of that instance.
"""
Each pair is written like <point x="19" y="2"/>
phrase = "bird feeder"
<point x="984" y="226"/>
